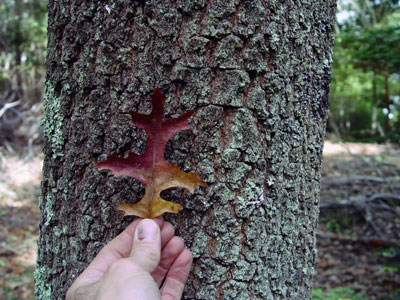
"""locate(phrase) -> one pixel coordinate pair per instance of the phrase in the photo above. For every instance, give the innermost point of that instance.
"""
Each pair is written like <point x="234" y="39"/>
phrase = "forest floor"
<point x="358" y="238"/>
<point x="359" y="234"/>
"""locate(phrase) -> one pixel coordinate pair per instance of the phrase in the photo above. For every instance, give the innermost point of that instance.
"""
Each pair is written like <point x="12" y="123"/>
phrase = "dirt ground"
<point x="358" y="240"/>
<point x="359" y="237"/>
<point x="19" y="219"/>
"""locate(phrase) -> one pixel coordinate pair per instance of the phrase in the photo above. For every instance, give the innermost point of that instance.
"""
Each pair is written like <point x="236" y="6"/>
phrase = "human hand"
<point x="145" y="262"/>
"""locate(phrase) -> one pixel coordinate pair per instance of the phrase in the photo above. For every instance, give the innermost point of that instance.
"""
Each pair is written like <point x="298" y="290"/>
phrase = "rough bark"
<point x="257" y="72"/>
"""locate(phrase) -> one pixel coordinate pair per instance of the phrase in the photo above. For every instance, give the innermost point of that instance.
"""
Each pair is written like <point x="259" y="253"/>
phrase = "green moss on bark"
<point x="42" y="286"/>
<point x="53" y="120"/>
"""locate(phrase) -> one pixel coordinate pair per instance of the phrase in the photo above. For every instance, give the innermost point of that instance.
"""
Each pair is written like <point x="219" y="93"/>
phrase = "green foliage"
<point x="367" y="13"/>
<point x="389" y="269"/>
<point x="390" y="252"/>
<point x="23" y="40"/>
<point x="337" y="223"/>
<point x="389" y="296"/>
<point x="373" y="49"/>
<point x="394" y="135"/>
<point x="391" y="260"/>
<point x="365" y="71"/>
<point x="339" y="293"/>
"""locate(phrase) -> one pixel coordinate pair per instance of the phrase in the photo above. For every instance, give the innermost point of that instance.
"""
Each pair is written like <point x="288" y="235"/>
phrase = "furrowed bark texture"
<point x="257" y="72"/>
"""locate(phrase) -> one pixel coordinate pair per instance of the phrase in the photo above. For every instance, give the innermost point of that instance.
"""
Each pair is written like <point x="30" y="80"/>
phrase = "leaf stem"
<point x="151" y="182"/>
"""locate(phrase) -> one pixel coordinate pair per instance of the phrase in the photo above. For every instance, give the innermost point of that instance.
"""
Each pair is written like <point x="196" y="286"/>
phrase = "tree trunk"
<point x="257" y="72"/>
<point x="374" y="115"/>
<point x="386" y="99"/>
<point x="17" y="41"/>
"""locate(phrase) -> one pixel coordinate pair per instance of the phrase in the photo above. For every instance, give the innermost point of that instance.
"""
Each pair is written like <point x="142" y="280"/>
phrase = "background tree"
<point x="22" y="42"/>
<point x="257" y="72"/>
<point x="366" y="67"/>
<point x="22" y="53"/>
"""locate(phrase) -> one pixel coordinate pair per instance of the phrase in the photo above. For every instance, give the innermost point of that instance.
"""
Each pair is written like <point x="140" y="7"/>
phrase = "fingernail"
<point x="147" y="231"/>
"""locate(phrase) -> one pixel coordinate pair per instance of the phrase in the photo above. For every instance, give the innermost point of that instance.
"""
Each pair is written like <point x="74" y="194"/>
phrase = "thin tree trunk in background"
<point x="257" y="72"/>
<point x="375" y="125"/>
<point x="333" y="125"/>
<point x="17" y="41"/>
<point x="374" y="109"/>
<point x="386" y="96"/>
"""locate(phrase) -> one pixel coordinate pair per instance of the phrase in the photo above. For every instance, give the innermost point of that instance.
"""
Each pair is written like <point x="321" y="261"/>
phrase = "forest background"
<point x="359" y="235"/>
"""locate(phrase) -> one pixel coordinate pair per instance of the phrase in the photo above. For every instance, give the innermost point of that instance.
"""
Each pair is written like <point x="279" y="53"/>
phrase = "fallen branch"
<point x="7" y="106"/>
<point x="367" y="206"/>
<point x="11" y="221"/>
<point x="379" y="241"/>
<point x="373" y="179"/>
<point x="359" y="201"/>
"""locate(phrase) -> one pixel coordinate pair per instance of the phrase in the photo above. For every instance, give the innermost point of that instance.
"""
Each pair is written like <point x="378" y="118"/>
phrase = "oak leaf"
<point x="150" y="168"/>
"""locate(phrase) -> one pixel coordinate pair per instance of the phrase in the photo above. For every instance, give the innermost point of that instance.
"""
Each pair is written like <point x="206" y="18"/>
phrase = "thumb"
<point x="146" y="249"/>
